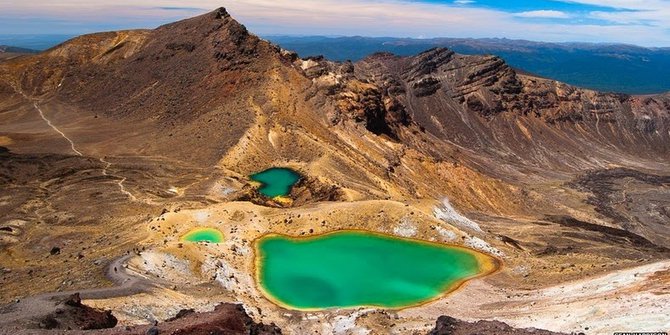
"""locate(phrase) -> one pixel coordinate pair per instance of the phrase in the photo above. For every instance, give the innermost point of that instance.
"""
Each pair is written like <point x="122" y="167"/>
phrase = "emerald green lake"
<point x="353" y="268"/>
<point x="276" y="181"/>
<point x="210" y="235"/>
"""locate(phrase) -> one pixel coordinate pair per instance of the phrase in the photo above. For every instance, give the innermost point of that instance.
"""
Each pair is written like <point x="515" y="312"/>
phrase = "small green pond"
<point x="355" y="268"/>
<point x="210" y="235"/>
<point x="276" y="182"/>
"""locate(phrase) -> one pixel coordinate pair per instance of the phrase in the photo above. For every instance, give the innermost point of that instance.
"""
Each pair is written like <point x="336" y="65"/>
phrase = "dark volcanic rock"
<point x="644" y="223"/>
<point x="614" y="234"/>
<point x="70" y="314"/>
<point x="447" y="325"/>
<point x="306" y="190"/>
<point x="73" y="300"/>
<point x="226" y="319"/>
<point x="428" y="62"/>
<point x="426" y="86"/>
<point x="481" y="103"/>
<point x="182" y="313"/>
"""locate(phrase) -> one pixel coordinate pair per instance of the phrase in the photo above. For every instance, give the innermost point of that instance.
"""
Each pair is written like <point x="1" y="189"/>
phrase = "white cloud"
<point x="659" y="18"/>
<point x="544" y="14"/>
<point x="398" y="18"/>
<point x="372" y="18"/>
<point x="632" y="12"/>
<point x="623" y="4"/>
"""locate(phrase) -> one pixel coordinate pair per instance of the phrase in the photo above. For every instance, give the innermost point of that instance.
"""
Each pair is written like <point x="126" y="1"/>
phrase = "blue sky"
<point x="641" y="22"/>
<point x="525" y="5"/>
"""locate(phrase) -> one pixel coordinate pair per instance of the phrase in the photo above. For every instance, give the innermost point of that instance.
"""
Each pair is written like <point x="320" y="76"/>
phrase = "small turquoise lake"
<point x="276" y="182"/>
<point x="210" y="235"/>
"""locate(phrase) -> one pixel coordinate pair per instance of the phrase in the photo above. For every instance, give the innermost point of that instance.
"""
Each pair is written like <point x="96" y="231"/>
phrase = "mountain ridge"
<point x="606" y="67"/>
<point x="9" y="48"/>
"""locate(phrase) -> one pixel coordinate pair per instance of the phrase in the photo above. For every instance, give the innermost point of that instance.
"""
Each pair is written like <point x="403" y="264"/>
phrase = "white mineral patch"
<point x="243" y="250"/>
<point x="221" y="189"/>
<point x="447" y="235"/>
<point x="201" y="216"/>
<point x="346" y="325"/>
<point x="16" y="223"/>
<point x="479" y="244"/>
<point x="227" y="275"/>
<point x="448" y="214"/>
<point x="306" y="64"/>
<point x="166" y="266"/>
<point x="521" y="270"/>
<point x="406" y="228"/>
<point x="272" y="135"/>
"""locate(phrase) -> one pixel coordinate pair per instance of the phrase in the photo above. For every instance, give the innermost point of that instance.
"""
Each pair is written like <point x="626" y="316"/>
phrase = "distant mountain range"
<point x="34" y="42"/>
<point x="9" y="52"/>
<point x="10" y="49"/>
<point x="605" y="67"/>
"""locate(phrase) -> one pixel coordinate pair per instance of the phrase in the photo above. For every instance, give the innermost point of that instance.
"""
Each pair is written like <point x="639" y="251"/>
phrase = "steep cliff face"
<point x="72" y="317"/>
<point x="480" y="103"/>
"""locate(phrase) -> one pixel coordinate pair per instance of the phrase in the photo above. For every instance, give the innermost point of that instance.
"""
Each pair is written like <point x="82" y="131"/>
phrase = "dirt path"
<point x="35" y="102"/>
<point x="120" y="182"/>
<point x="37" y="107"/>
<point x="127" y="283"/>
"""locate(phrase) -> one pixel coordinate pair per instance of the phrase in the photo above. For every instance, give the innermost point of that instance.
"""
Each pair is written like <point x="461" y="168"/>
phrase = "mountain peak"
<point x="207" y="23"/>
<point x="220" y="13"/>
<point x="215" y="34"/>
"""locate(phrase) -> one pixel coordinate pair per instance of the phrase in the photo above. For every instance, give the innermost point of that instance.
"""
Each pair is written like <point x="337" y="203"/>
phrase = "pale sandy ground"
<point x="635" y="299"/>
<point x="200" y="276"/>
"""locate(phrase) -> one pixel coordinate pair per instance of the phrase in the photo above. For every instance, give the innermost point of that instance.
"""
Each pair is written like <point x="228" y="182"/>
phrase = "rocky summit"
<point x="115" y="145"/>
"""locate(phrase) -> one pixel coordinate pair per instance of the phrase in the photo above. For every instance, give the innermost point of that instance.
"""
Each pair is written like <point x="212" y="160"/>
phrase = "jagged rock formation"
<point x="480" y="103"/>
<point x="307" y="190"/>
<point x="66" y="313"/>
<point x="446" y="325"/>
<point x="226" y="319"/>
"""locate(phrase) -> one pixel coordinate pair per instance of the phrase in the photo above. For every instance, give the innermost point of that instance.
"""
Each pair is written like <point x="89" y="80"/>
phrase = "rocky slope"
<point x="226" y="319"/>
<point x="604" y="67"/>
<point x="71" y="317"/>
<point x="479" y="103"/>
<point x="63" y="314"/>
<point x="446" y="325"/>
<point x="117" y="143"/>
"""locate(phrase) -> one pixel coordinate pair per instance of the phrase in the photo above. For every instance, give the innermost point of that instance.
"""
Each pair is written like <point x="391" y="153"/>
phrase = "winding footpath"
<point x="126" y="284"/>
<point x="102" y="160"/>
<point x="120" y="181"/>
<point x="56" y="129"/>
